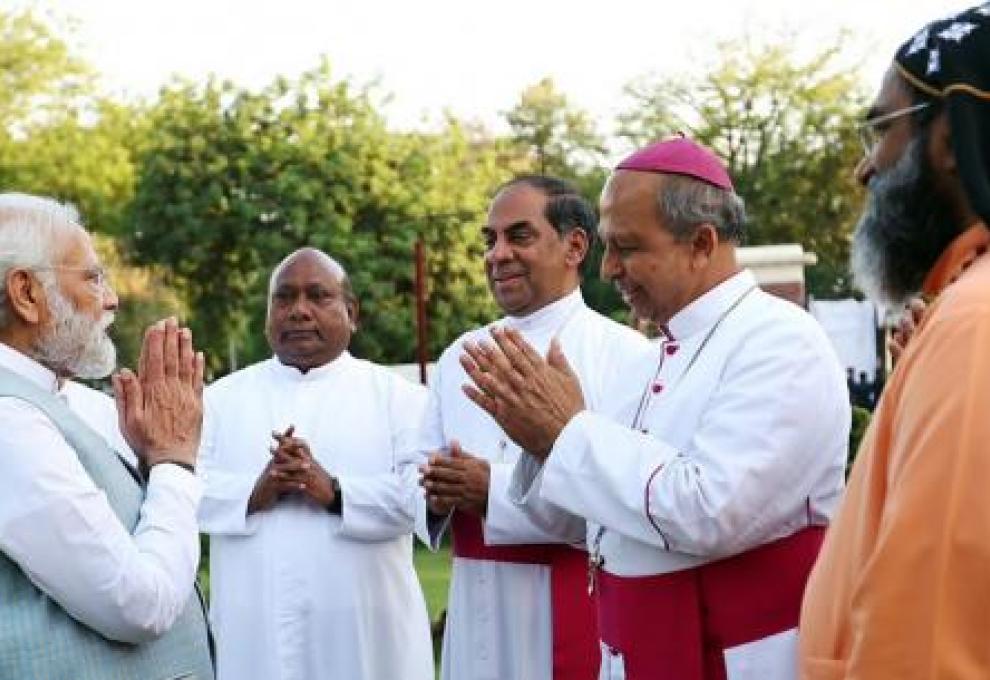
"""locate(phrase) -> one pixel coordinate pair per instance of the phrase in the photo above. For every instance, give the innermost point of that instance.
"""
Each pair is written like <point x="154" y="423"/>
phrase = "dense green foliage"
<point x="786" y="127"/>
<point x="199" y="192"/>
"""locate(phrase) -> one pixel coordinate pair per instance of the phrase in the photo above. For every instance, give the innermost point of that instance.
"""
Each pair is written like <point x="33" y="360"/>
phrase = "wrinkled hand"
<point x="160" y="410"/>
<point x="530" y="397"/>
<point x="901" y="336"/>
<point x="459" y="480"/>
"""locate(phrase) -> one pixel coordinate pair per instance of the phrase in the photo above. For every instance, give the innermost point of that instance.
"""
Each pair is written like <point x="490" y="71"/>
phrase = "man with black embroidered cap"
<point x="903" y="581"/>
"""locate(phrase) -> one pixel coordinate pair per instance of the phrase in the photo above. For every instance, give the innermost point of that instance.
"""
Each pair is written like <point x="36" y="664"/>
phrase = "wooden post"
<point x="421" y="334"/>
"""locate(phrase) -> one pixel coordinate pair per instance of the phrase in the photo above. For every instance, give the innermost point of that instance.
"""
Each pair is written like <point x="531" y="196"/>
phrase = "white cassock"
<point x="734" y="447"/>
<point x="521" y="611"/>
<point x="298" y="593"/>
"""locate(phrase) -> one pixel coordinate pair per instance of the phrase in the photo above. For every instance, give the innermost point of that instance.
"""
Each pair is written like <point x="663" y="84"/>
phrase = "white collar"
<point x="551" y="316"/>
<point x="709" y="308"/>
<point x="317" y="373"/>
<point x="26" y="367"/>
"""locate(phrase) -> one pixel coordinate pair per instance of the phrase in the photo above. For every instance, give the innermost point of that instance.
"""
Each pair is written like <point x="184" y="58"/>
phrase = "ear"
<point x="577" y="244"/>
<point x="703" y="245"/>
<point x="942" y="156"/>
<point x="25" y="296"/>
<point x="353" y="312"/>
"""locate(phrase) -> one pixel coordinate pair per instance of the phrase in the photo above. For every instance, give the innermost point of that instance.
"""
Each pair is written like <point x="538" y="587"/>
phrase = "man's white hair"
<point x="33" y="230"/>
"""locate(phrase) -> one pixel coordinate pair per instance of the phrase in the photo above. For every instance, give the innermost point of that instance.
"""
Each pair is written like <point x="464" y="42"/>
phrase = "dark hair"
<point x="566" y="208"/>
<point x="684" y="202"/>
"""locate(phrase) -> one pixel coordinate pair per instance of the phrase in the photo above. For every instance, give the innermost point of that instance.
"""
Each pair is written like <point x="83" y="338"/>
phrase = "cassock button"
<point x="657" y="388"/>
<point x="671" y="348"/>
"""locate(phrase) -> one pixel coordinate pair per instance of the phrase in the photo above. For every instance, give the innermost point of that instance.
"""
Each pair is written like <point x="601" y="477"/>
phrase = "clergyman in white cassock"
<point x="301" y="590"/>
<point x="518" y="605"/>
<point x="707" y="496"/>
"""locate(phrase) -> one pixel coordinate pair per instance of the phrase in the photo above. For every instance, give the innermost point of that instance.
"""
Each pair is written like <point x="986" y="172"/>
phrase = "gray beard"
<point x="905" y="226"/>
<point x="74" y="345"/>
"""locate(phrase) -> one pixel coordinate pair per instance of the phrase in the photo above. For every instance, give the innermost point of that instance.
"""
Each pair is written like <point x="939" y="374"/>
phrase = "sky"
<point x="467" y="57"/>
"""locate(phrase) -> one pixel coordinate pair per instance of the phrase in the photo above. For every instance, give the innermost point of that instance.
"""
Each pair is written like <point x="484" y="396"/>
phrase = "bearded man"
<point x="902" y="583"/>
<point x="97" y="561"/>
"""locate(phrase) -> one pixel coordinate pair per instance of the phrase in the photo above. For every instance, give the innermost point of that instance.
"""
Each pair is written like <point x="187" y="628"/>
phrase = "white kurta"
<point x="59" y="528"/>
<point x="299" y="593"/>
<point x="745" y="446"/>
<point x="99" y="411"/>
<point x="499" y="616"/>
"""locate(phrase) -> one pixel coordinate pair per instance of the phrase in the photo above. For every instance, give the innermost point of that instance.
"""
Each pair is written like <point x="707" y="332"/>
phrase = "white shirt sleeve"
<point x="58" y="527"/>
<point x="773" y="430"/>
<point x="534" y="521"/>
<point x="385" y="506"/>
<point x="226" y="493"/>
<point x="430" y="437"/>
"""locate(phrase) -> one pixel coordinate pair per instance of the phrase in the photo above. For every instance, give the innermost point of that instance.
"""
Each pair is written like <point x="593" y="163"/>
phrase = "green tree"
<point x="448" y="178"/>
<point x="38" y="72"/>
<point x="145" y="297"/>
<point x="786" y="128"/>
<point x="58" y="135"/>
<point x="558" y="137"/>
<point x="233" y="180"/>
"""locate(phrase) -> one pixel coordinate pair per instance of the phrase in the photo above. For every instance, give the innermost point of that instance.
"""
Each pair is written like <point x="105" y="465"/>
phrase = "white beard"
<point x="74" y="344"/>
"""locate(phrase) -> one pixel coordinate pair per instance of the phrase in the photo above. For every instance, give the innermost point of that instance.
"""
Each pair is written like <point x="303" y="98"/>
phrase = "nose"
<point x="299" y="309"/>
<point x="864" y="170"/>
<point x="110" y="300"/>
<point x="499" y="251"/>
<point x="611" y="267"/>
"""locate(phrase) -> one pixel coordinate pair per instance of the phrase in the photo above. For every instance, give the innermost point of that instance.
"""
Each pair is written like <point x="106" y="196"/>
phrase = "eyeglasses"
<point x="871" y="129"/>
<point x="96" y="275"/>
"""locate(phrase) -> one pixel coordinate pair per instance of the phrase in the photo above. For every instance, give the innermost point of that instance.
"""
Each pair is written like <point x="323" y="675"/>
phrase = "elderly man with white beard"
<point x="901" y="587"/>
<point x="97" y="560"/>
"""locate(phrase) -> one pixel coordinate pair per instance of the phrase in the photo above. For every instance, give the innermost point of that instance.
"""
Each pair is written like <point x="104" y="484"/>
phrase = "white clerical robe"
<point x="299" y="593"/>
<point x="740" y="439"/>
<point x="499" y="618"/>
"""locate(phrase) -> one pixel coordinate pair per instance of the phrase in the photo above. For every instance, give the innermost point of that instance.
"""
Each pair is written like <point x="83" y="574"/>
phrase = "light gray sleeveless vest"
<point x="38" y="640"/>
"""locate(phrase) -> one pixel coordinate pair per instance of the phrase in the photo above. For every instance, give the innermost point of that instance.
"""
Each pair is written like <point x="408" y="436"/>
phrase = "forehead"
<point x="77" y="248"/>
<point x="308" y="270"/>
<point x="629" y="206"/>
<point x="893" y="94"/>
<point x="515" y="204"/>
<point x="628" y="193"/>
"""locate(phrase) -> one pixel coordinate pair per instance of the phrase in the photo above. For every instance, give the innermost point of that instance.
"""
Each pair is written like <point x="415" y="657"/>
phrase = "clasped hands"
<point x="456" y="479"/>
<point x="160" y="409"/>
<point x="292" y="470"/>
<point x="531" y="398"/>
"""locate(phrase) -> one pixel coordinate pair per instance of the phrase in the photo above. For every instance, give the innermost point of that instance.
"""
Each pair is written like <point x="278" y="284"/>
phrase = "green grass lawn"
<point x="434" y="575"/>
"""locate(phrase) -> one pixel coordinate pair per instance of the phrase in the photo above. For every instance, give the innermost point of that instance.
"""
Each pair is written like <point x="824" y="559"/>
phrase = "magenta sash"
<point x="575" y="632"/>
<point x="677" y="626"/>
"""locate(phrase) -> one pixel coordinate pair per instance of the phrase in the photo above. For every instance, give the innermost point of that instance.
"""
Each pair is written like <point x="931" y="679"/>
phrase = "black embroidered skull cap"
<point x="949" y="61"/>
